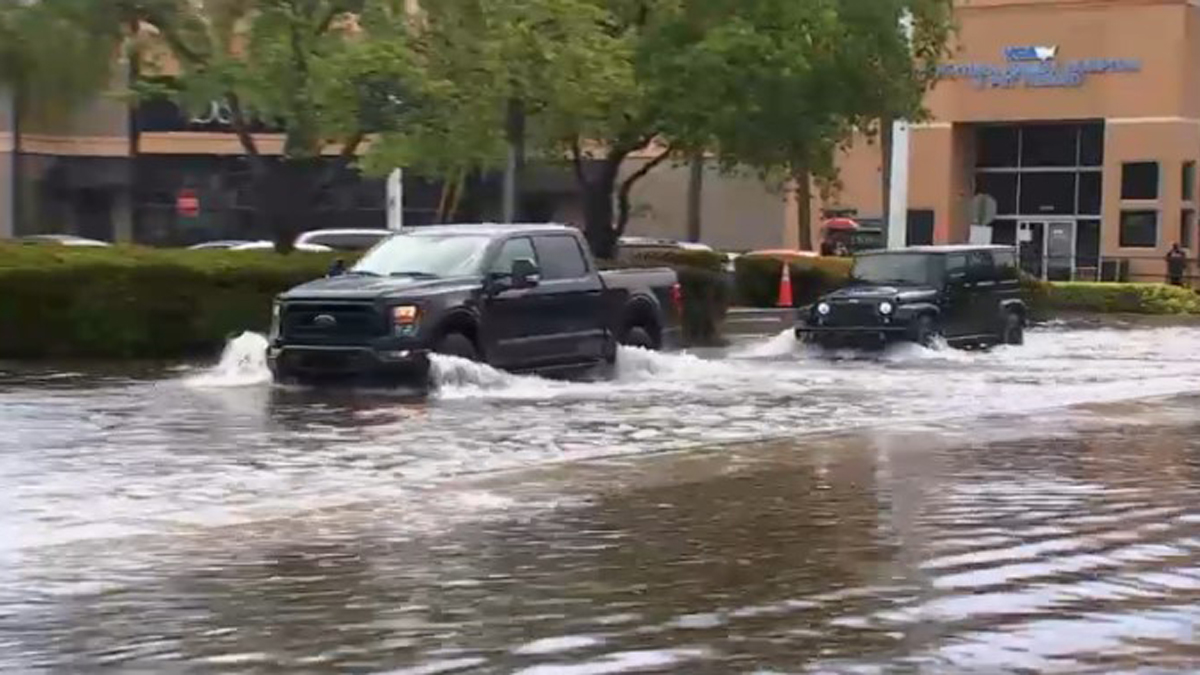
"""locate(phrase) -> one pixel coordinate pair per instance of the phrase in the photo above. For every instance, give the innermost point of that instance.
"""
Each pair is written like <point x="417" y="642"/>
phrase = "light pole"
<point x="897" y="225"/>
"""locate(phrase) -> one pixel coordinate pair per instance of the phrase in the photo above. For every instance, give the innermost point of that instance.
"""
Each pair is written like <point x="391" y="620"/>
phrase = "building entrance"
<point x="1046" y="179"/>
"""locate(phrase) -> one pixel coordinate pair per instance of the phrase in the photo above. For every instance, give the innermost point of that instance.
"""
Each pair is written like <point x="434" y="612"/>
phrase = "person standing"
<point x="1176" y="265"/>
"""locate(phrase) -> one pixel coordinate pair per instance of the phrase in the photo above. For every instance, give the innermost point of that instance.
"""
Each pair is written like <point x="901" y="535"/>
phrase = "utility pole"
<point x="897" y="225"/>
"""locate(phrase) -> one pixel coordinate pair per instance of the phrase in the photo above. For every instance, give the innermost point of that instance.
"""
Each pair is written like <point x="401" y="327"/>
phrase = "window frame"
<point x="1126" y="166"/>
<point x="586" y="270"/>
<point x="491" y="266"/>
<point x="1121" y="241"/>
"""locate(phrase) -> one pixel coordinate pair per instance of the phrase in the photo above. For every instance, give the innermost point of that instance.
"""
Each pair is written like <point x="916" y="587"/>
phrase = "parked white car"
<point x="269" y="245"/>
<point x="346" y="239"/>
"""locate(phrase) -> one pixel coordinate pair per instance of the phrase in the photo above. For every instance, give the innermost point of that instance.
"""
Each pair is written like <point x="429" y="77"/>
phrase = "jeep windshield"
<point x="918" y="269"/>
<point x="424" y="256"/>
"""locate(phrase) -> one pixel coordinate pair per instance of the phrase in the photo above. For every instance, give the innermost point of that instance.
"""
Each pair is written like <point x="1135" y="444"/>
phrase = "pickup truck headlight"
<point x="404" y="319"/>
<point x="823" y="309"/>
<point x="886" y="308"/>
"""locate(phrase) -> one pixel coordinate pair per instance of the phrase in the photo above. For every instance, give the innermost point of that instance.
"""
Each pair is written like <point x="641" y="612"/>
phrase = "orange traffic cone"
<point x="785" y="287"/>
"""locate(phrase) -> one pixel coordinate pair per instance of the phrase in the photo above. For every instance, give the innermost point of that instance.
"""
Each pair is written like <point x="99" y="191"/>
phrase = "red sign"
<point x="187" y="203"/>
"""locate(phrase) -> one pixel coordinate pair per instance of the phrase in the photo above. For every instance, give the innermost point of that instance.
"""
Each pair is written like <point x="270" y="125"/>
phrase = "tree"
<point x="324" y="73"/>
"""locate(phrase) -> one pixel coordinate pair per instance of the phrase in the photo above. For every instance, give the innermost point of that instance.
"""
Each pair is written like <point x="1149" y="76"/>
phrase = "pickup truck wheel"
<point x="924" y="330"/>
<point x="1014" y="329"/>
<point x="638" y="337"/>
<point x="459" y="345"/>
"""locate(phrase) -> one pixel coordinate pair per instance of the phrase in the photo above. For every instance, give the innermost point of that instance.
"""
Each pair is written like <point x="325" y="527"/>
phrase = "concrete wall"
<point x="738" y="212"/>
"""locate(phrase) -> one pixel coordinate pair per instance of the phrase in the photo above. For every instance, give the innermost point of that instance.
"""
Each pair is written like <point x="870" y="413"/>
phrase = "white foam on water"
<point x="243" y="364"/>
<point x="783" y="344"/>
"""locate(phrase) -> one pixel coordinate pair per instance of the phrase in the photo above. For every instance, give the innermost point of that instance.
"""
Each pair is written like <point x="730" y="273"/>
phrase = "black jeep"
<point x="968" y="295"/>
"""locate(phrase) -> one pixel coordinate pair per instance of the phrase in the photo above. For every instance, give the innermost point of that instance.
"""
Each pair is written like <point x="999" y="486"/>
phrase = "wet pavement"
<point x="758" y="510"/>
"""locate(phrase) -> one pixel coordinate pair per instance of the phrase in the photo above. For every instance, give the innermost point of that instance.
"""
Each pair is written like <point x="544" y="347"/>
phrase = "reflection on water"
<point x="861" y="554"/>
<point x="157" y="523"/>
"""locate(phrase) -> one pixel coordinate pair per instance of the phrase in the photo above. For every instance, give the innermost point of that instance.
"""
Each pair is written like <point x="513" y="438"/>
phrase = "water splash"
<point x="243" y="364"/>
<point x="783" y="344"/>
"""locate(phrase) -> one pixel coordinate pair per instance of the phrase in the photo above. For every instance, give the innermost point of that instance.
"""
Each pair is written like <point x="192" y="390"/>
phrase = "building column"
<point x="8" y="165"/>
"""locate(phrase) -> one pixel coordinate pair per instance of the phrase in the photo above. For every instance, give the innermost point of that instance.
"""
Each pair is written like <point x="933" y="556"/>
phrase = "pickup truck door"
<point x="516" y="321"/>
<point x="574" y="295"/>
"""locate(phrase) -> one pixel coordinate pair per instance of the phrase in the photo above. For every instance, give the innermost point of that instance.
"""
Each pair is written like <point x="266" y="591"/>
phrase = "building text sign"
<point x="1035" y="66"/>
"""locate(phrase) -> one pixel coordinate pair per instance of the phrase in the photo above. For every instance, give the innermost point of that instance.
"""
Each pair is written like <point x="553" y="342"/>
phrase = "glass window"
<point x="1002" y="187"/>
<point x="1139" y="180"/>
<point x="561" y="258"/>
<point x="345" y="241"/>
<point x="1049" y="193"/>
<point x="1139" y="229"/>
<point x="919" y="227"/>
<point x="1050" y="145"/>
<point x="980" y="265"/>
<point x="1189" y="181"/>
<point x="956" y="263"/>
<point x="425" y="255"/>
<point x="1091" y="145"/>
<point x="891" y="268"/>
<point x="1004" y="232"/>
<point x="1090" y="193"/>
<point x="997" y="147"/>
<point x="1187" y="226"/>
<point x="513" y="250"/>
<point x="1006" y="264"/>
<point x="1087" y="242"/>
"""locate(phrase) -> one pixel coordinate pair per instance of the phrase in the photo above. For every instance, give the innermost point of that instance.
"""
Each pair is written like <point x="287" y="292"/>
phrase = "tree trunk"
<point x="803" y="180"/>
<point x="695" y="196"/>
<point x="598" y="214"/>
<point x="885" y="170"/>
<point x="290" y="193"/>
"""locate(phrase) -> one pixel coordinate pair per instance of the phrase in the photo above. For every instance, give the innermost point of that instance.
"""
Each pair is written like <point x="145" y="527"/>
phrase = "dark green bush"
<point x="138" y="302"/>
<point x="757" y="282"/>
<point x="1117" y="298"/>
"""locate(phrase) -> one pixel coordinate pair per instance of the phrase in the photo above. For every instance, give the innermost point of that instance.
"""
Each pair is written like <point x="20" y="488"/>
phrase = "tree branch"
<point x="623" y="207"/>
<point x="242" y="129"/>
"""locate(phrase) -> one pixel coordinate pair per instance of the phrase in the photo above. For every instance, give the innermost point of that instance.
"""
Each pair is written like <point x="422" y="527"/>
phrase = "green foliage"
<point x="758" y="279"/>
<point x="136" y="302"/>
<point x="1114" y="298"/>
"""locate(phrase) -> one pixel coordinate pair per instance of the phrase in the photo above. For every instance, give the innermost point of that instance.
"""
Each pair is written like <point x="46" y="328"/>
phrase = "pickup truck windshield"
<point x="425" y="255"/>
<point x="896" y="268"/>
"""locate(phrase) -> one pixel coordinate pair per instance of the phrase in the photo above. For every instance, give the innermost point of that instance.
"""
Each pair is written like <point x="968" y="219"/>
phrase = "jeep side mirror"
<point x="525" y="273"/>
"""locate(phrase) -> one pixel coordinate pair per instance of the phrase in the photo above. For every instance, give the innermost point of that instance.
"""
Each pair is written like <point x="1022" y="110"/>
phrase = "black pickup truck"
<point x="524" y="298"/>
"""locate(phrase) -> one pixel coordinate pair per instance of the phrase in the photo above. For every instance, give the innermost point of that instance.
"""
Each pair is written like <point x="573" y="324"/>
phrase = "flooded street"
<point x="761" y="509"/>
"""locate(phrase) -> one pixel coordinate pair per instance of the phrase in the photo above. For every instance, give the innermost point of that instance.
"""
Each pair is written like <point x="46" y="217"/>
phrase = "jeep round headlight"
<point x="885" y="307"/>
<point x="823" y="308"/>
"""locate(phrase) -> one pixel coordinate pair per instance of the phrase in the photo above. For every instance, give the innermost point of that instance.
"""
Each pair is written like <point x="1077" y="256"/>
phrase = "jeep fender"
<point x="906" y="313"/>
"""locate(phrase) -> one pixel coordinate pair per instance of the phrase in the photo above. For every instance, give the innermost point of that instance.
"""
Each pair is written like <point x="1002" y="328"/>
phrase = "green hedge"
<point x="757" y="279"/>
<point x="138" y="302"/>
<point x="1046" y="299"/>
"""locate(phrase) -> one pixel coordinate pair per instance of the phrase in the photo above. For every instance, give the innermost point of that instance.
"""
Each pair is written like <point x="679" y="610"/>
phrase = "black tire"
<point x="637" y="336"/>
<point x="924" y="330"/>
<point x="459" y="345"/>
<point x="1014" y="329"/>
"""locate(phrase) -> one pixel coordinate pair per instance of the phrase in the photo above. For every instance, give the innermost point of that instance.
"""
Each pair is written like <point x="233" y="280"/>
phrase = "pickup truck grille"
<point x="330" y="323"/>
<point x="850" y="314"/>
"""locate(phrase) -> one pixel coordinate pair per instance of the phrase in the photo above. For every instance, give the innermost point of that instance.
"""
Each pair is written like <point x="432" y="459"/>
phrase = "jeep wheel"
<point x="459" y="345"/>
<point x="1014" y="329"/>
<point x="924" y="330"/>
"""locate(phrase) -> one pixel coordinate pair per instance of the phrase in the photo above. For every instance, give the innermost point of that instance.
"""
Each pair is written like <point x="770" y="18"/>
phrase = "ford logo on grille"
<point x="324" y="321"/>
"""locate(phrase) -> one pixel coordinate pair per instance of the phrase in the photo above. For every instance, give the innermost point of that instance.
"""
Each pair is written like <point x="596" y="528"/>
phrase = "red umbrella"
<point x="841" y="224"/>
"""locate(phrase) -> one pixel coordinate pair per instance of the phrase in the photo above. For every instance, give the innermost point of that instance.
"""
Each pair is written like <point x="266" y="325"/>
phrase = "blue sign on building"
<point x="1035" y="66"/>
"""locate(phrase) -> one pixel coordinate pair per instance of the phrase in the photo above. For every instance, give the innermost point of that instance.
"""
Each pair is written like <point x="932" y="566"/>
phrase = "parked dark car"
<point x="521" y="298"/>
<point x="968" y="295"/>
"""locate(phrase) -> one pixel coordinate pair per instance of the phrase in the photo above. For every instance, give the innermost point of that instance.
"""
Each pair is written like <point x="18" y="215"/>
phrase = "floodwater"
<point x="761" y="509"/>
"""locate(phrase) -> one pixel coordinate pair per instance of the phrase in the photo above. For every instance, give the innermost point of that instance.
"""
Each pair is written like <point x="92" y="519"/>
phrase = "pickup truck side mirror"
<point x="525" y="273"/>
<point x="338" y="268"/>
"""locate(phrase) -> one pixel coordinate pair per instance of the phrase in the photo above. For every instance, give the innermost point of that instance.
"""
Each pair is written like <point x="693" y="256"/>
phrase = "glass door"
<point x="1031" y="246"/>
<point x="1060" y="250"/>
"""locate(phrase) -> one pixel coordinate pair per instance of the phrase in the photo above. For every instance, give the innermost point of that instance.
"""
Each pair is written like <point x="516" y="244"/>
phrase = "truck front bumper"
<point x="310" y="363"/>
